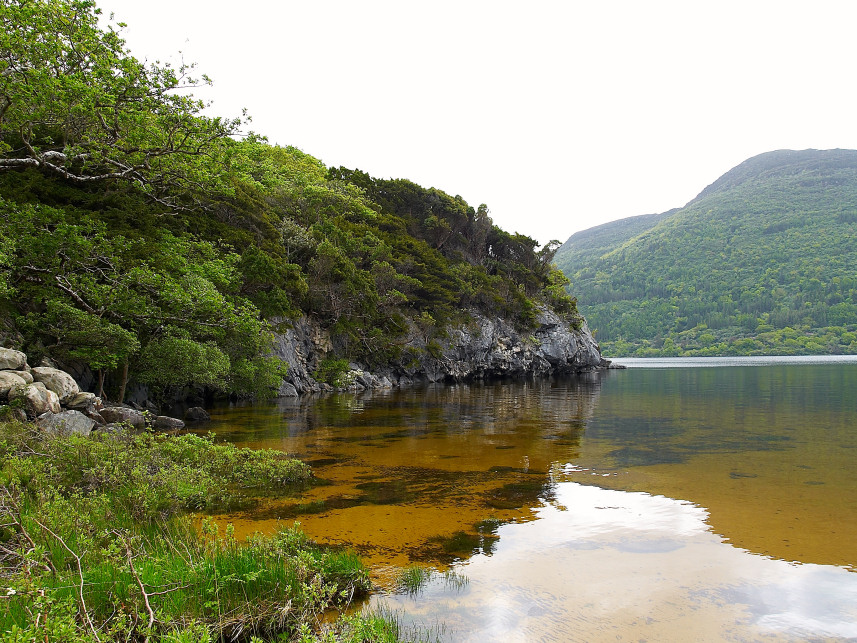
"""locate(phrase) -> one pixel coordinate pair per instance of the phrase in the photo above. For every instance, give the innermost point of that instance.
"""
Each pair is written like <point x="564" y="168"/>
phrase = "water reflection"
<point x="487" y="478"/>
<point x="412" y="475"/>
<point x="610" y="565"/>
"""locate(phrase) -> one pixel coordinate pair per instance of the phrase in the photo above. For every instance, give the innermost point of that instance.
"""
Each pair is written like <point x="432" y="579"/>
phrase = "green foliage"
<point x="176" y="361"/>
<point x="150" y="475"/>
<point x="332" y="371"/>
<point x="761" y="263"/>
<point x="75" y="103"/>
<point x="93" y="529"/>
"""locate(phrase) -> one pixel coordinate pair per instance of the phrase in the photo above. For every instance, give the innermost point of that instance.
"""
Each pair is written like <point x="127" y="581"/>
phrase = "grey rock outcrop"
<point x="485" y="348"/>
<point x="287" y="389"/>
<point x="301" y="346"/>
<point x="66" y="422"/>
<point x="57" y="381"/>
<point x="493" y="348"/>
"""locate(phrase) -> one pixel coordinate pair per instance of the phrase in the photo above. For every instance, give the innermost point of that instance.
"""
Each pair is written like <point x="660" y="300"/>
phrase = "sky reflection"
<point x="602" y="564"/>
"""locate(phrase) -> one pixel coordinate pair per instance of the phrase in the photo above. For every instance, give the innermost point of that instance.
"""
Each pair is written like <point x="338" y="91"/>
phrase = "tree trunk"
<point x="124" y="382"/>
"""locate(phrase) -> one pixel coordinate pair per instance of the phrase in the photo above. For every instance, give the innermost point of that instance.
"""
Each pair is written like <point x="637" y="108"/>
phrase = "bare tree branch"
<point x="80" y="574"/>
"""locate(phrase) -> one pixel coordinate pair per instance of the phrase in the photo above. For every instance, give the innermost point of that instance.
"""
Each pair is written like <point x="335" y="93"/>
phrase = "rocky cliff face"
<point x="483" y="349"/>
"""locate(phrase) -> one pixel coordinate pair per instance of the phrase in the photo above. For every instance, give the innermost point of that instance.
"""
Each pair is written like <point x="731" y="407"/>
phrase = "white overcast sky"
<point x="558" y="115"/>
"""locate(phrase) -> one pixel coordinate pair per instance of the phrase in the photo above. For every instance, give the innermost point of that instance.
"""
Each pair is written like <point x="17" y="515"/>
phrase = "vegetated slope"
<point x="592" y="243"/>
<point x="763" y="261"/>
<point x="139" y="238"/>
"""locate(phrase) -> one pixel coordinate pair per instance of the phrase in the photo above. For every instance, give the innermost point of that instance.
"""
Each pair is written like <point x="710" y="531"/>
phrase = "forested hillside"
<point x="763" y="261"/>
<point x="155" y="244"/>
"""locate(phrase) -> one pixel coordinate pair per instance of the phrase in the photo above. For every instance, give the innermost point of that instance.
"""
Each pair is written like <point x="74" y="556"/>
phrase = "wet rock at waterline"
<point x="484" y="348"/>
<point x="198" y="414"/>
<point x="166" y="423"/>
<point x="52" y="397"/>
<point x="123" y="415"/>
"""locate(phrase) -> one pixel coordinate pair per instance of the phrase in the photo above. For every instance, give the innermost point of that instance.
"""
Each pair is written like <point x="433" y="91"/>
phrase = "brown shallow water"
<point x="629" y="505"/>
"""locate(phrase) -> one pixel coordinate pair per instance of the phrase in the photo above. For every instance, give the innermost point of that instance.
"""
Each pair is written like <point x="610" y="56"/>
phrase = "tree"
<point x="75" y="103"/>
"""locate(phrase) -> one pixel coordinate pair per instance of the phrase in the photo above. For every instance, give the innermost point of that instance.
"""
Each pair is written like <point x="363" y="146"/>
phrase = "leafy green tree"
<point x="75" y="103"/>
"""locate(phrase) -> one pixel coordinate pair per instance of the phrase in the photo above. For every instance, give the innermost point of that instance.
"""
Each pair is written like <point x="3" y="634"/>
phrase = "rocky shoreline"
<point x="483" y="349"/>
<point x="52" y="399"/>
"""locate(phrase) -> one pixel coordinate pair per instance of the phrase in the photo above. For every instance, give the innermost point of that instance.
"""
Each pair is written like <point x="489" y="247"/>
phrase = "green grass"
<point x="413" y="578"/>
<point x="96" y="545"/>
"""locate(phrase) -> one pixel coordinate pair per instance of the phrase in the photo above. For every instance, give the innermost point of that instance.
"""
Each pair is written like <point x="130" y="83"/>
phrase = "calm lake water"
<point x="707" y="500"/>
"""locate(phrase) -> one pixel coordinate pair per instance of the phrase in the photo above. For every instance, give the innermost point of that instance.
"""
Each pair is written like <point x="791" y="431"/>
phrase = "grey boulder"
<point x="197" y="414"/>
<point x="66" y="422"/>
<point x="12" y="360"/>
<point x="57" y="381"/>
<point x="83" y="402"/>
<point x="8" y="381"/>
<point x="123" y="415"/>
<point x="166" y="423"/>
<point x="36" y="399"/>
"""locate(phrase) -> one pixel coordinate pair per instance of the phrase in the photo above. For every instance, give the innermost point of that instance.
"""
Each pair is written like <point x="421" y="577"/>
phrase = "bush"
<point x="332" y="371"/>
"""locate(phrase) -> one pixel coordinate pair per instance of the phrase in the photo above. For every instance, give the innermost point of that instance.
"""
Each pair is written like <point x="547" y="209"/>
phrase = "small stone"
<point x="110" y="428"/>
<point x="94" y="415"/>
<point x="81" y="401"/>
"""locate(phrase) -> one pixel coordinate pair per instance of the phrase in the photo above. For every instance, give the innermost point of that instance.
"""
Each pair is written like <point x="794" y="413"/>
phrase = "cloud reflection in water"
<point x="602" y="564"/>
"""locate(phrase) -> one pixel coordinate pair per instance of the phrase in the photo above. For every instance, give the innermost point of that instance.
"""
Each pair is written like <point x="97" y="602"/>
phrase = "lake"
<point x="706" y="499"/>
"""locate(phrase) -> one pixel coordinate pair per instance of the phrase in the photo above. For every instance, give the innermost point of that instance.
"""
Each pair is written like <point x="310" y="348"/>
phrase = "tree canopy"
<point x="75" y="103"/>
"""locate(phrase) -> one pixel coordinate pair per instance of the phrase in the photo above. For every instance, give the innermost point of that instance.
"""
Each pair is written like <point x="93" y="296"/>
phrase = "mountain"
<point x="763" y="261"/>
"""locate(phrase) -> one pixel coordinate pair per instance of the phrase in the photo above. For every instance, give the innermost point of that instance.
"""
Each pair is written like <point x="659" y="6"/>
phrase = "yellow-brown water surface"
<point x="621" y="505"/>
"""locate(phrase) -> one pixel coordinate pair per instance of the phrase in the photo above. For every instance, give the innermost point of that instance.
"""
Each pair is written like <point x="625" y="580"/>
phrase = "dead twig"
<point x="130" y="558"/>
<point x="80" y="574"/>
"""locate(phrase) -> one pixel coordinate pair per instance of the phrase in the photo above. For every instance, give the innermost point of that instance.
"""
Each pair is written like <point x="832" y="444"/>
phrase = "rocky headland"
<point x="482" y="349"/>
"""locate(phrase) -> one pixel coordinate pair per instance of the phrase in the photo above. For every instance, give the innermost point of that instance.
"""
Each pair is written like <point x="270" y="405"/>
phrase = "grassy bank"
<point x="96" y="545"/>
